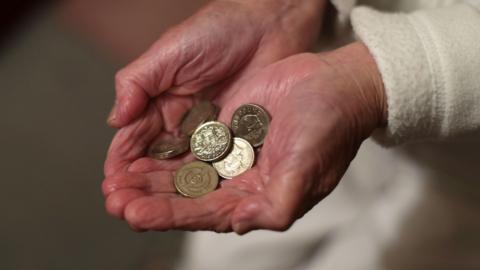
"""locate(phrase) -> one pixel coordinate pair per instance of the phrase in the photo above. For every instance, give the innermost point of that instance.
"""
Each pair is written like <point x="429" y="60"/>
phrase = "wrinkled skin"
<point x="322" y="108"/>
<point x="216" y="48"/>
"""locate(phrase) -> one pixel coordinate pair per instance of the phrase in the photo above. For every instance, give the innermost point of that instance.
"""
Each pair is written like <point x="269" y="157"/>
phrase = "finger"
<point x="173" y="108"/>
<point x="146" y="165"/>
<point x="116" y="201"/>
<point x="161" y="213"/>
<point x="131" y="142"/>
<point x="172" y="63"/>
<point x="154" y="182"/>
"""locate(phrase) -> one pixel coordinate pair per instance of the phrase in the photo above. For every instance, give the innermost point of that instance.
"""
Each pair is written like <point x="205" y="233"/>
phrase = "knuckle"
<point x="107" y="187"/>
<point x="122" y="78"/>
<point x="281" y="222"/>
<point x="114" y="206"/>
<point x="222" y="227"/>
<point x="282" y="226"/>
<point x="136" y="215"/>
<point x="131" y="80"/>
<point x="125" y="80"/>
<point x="112" y="184"/>
<point x="144" y="215"/>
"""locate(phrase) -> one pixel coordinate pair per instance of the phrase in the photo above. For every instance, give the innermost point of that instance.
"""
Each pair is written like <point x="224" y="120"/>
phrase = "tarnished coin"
<point x="250" y="122"/>
<point x="168" y="148"/>
<point x="211" y="141"/>
<point x="195" y="179"/>
<point x="239" y="160"/>
<point x="202" y="112"/>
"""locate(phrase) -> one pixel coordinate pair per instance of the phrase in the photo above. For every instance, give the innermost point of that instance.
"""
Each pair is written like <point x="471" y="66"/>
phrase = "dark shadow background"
<point x="57" y="63"/>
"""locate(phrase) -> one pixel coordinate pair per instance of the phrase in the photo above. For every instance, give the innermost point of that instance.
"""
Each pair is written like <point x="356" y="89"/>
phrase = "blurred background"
<point x="57" y="63"/>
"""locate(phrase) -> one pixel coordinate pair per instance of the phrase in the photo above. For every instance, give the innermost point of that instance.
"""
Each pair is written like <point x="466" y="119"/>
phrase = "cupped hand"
<point x="322" y="108"/>
<point x="219" y="45"/>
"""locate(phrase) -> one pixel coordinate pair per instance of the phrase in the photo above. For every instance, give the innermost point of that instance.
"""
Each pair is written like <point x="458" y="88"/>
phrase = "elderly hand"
<point x="322" y="107"/>
<point x="219" y="45"/>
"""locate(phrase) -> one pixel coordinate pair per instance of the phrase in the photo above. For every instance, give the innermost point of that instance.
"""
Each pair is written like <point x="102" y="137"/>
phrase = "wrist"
<point x="362" y="83"/>
<point x="274" y="5"/>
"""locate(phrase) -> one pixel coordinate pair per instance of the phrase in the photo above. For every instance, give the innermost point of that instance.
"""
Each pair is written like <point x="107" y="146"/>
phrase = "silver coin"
<point x="168" y="148"/>
<point x="211" y="141"/>
<point x="250" y="122"/>
<point x="239" y="160"/>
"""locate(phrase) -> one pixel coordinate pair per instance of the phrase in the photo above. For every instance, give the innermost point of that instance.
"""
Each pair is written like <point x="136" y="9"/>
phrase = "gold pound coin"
<point x="200" y="113"/>
<point x="211" y="141"/>
<point x="168" y="148"/>
<point x="239" y="160"/>
<point x="250" y="122"/>
<point x="195" y="179"/>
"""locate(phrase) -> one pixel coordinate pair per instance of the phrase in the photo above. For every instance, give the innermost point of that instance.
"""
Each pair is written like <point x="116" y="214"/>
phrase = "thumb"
<point x="145" y="78"/>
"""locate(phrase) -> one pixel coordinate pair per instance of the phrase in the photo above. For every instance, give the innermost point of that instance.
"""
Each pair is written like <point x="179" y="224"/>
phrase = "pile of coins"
<point x="230" y="152"/>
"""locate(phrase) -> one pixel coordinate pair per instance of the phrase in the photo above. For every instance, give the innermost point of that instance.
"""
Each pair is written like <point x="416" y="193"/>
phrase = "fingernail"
<point x="113" y="115"/>
<point x="240" y="227"/>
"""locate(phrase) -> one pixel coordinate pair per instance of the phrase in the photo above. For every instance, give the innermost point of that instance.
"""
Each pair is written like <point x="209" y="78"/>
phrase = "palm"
<point x="220" y="46"/>
<point x="294" y="169"/>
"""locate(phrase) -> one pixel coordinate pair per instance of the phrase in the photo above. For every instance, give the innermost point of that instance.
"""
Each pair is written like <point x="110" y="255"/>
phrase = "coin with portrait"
<point x="250" y="122"/>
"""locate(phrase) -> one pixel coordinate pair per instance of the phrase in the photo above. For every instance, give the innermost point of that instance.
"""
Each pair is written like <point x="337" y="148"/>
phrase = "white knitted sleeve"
<point x="430" y="64"/>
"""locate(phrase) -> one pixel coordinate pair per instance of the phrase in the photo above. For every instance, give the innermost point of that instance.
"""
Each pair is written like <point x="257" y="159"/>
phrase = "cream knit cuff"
<point x="430" y="64"/>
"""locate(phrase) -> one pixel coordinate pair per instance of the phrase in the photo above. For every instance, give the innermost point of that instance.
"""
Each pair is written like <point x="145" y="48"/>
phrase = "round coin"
<point x="239" y="160"/>
<point x="168" y="148"/>
<point x="250" y="122"/>
<point x="211" y="141"/>
<point x="195" y="179"/>
<point x="200" y="113"/>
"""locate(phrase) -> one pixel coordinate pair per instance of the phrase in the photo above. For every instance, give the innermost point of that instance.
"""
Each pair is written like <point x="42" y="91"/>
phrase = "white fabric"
<point x="410" y="207"/>
<point x="430" y="68"/>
